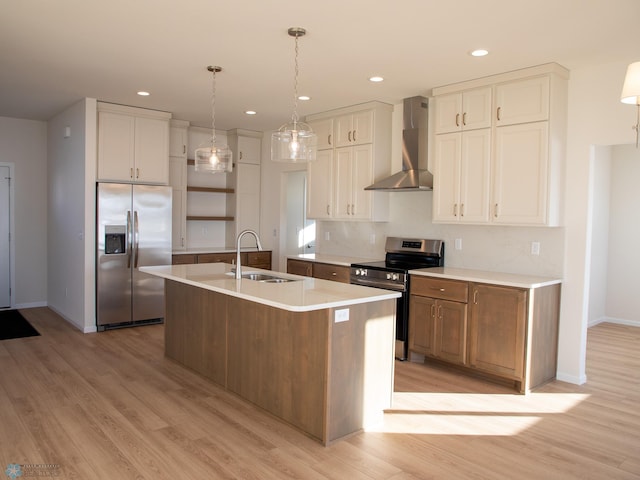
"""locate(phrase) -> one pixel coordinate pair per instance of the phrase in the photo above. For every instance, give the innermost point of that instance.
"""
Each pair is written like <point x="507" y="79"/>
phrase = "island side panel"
<point x="361" y="367"/>
<point x="195" y="329"/>
<point x="277" y="360"/>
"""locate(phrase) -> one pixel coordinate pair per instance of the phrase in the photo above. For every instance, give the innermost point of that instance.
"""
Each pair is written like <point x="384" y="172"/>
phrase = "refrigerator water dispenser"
<point x="114" y="239"/>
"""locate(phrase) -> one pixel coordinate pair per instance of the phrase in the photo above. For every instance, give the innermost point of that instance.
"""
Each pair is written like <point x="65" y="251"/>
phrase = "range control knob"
<point x="392" y="276"/>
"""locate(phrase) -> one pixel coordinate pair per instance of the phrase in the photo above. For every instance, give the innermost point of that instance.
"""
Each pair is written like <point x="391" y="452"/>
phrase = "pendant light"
<point x="214" y="158"/>
<point x="294" y="142"/>
<point x="631" y="93"/>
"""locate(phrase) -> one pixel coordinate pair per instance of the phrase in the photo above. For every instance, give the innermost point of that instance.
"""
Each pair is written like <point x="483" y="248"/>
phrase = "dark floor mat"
<point x="14" y="325"/>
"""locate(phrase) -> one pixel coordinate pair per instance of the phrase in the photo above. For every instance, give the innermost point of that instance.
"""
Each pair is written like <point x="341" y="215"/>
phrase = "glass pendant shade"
<point x="214" y="159"/>
<point x="293" y="142"/>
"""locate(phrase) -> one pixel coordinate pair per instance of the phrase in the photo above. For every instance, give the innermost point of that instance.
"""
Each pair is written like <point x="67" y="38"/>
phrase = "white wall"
<point x="622" y="299"/>
<point x="600" y="240"/>
<point x="71" y="206"/>
<point x="24" y="143"/>
<point x="596" y="117"/>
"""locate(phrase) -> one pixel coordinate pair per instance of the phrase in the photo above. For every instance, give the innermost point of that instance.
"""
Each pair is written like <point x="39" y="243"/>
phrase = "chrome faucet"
<point x="258" y="244"/>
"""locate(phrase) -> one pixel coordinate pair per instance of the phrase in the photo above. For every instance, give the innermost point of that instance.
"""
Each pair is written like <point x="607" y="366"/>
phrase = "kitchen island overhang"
<point x="315" y="353"/>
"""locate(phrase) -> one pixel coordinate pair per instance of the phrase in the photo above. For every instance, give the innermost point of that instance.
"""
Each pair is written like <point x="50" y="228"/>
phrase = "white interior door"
<point x="301" y="232"/>
<point x="5" y="239"/>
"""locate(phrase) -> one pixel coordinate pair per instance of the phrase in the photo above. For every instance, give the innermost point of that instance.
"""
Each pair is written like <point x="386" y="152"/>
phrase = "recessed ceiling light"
<point x="376" y="79"/>
<point x="250" y="112"/>
<point x="143" y="93"/>
<point x="304" y="98"/>
<point x="479" y="53"/>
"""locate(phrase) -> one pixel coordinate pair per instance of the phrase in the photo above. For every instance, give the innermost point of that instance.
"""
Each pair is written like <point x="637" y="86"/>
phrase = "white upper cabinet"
<point x="319" y="186"/>
<point x="336" y="180"/>
<point x="512" y="171"/>
<point x="522" y="101"/>
<point x="133" y="144"/>
<point x="461" y="187"/>
<point x="178" y="138"/>
<point x="468" y="110"/>
<point x="354" y="128"/>
<point x="324" y="131"/>
<point x="246" y="145"/>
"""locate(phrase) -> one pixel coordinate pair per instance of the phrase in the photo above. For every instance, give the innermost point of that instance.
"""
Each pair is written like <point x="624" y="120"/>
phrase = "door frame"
<point x="12" y="229"/>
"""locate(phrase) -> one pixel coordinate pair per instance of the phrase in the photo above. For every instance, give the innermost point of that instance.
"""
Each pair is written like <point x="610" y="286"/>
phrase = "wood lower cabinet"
<point x="503" y="332"/>
<point x="438" y="322"/>
<point x="300" y="267"/>
<point x="497" y="333"/>
<point x="260" y="259"/>
<point x="325" y="271"/>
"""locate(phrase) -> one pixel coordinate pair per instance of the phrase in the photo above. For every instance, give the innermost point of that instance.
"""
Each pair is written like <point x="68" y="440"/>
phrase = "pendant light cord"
<point x="213" y="107"/>
<point x="294" y="117"/>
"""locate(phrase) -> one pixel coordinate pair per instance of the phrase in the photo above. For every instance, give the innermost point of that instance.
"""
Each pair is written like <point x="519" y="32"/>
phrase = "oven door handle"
<point x="375" y="284"/>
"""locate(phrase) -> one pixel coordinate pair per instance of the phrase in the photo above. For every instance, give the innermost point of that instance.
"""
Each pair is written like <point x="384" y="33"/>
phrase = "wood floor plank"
<point x="110" y="405"/>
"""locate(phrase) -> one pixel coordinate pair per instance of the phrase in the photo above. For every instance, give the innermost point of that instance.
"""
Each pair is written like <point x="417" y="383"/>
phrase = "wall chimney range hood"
<point x="414" y="175"/>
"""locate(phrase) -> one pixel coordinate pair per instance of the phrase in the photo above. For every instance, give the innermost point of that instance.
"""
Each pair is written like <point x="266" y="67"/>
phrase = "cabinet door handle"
<point x="240" y="158"/>
<point x="464" y="118"/>
<point x="137" y="173"/>
<point x="495" y="211"/>
<point x="131" y="172"/>
<point x="354" y="135"/>
<point x="349" y="135"/>
<point x="442" y="289"/>
<point x="328" y="210"/>
<point x="457" y="119"/>
<point x="433" y="310"/>
<point x="455" y="209"/>
<point x="184" y="149"/>
<point x="329" y="139"/>
<point x="333" y="274"/>
<point x="440" y="312"/>
<point x="353" y="209"/>
<point x="462" y="209"/>
<point x="475" y="297"/>
<point x="498" y="113"/>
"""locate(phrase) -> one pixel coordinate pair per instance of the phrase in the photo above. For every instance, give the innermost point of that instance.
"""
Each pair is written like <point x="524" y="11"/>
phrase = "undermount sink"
<point x="266" y="278"/>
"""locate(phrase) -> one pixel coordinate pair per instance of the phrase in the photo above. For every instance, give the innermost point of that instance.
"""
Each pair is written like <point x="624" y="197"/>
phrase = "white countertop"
<point x="482" y="276"/>
<point x="331" y="259"/>
<point x="303" y="295"/>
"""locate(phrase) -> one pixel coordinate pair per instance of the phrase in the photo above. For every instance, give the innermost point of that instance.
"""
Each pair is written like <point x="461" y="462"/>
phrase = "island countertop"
<point x="303" y="295"/>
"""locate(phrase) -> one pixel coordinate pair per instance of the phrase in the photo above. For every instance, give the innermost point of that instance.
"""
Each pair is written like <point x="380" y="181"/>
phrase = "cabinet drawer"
<point x="453" y="290"/>
<point x="221" y="258"/>
<point x="331" y="272"/>
<point x="183" y="259"/>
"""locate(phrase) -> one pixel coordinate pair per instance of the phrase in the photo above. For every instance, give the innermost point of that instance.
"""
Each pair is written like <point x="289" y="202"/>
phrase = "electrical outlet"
<point x="372" y="239"/>
<point x="458" y="244"/>
<point x="535" y="248"/>
<point x="327" y="236"/>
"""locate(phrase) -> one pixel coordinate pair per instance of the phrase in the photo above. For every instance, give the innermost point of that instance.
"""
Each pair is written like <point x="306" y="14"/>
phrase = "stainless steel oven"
<point x="402" y="255"/>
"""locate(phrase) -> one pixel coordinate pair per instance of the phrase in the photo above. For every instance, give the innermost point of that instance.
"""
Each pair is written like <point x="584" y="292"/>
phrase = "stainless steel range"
<point x="402" y="255"/>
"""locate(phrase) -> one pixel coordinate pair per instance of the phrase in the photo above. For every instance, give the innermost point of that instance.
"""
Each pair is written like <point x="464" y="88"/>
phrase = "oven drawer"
<point x="453" y="290"/>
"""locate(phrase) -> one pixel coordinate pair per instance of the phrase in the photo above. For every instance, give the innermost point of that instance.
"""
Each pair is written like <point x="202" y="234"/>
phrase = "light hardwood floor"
<point x="110" y="406"/>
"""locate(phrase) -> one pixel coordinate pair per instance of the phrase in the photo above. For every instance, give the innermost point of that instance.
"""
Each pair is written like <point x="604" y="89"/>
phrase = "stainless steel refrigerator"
<point x="133" y="230"/>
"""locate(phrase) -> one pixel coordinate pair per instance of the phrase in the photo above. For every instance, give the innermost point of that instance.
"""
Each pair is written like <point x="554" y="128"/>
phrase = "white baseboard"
<point x="576" y="380"/>
<point x="30" y="305"/>
<point x="619" y="321"/>
<point x="79" y="327"/>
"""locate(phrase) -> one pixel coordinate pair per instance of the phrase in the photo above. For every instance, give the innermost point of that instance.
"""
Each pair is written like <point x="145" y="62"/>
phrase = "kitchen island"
<point x="315" y="353"/>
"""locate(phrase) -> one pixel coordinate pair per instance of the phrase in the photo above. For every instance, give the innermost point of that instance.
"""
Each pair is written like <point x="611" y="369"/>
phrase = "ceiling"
<point x="53" y="53"/>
